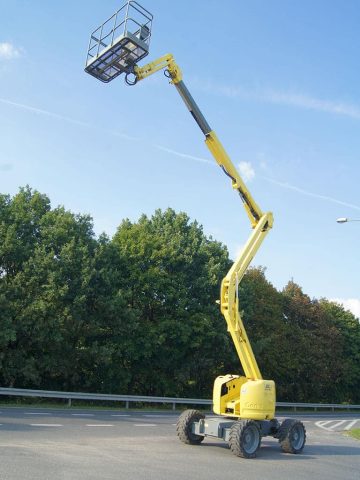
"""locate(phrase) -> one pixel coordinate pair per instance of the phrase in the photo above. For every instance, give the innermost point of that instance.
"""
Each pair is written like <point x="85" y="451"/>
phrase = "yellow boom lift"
<point x="245" y="405"/>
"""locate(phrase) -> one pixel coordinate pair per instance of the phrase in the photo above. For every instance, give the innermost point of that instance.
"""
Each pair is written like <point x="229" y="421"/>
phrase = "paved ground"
<point x="107" y="445"/>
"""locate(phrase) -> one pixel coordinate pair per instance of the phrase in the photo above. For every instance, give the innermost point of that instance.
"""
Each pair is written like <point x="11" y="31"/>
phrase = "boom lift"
<point x="245" y="405"/>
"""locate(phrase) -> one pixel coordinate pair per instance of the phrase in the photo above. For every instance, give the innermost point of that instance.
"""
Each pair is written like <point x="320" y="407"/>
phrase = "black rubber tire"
<point x="292" y="436"/>
<point x="183" y="427"/>
<point x="245" y="438"/>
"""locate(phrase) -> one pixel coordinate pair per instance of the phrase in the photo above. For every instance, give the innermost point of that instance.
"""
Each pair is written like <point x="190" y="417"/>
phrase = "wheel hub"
<point x="297" y="437"/>
<point x="251" y="440"/>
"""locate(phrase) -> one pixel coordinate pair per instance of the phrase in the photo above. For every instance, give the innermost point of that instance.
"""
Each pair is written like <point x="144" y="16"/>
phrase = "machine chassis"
<point x="243" y="435"/>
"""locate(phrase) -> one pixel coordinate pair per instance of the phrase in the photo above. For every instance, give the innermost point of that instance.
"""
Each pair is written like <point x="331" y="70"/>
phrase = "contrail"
<point x="310" y="194"/>
<point x="47" y="113"/>
<point x="275" y="182"/>
<point x="40" y="111"/>
<point x="288" y="98"/>
<point x="312" y="103"/>
<point x="184" y="155"/>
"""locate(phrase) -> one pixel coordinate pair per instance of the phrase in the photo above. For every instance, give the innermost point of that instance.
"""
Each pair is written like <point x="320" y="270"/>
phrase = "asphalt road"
<point x="74" y="444"/>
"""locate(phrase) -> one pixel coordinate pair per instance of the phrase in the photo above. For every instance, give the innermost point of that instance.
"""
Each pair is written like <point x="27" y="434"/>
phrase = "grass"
<point x="355" y="433"/>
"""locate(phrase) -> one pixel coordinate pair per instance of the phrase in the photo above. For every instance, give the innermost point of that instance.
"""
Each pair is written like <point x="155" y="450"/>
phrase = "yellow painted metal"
<point x="237" y="396"/>
<point x="250" y="396"/>
<point x="257" y="400"/>
<point x="223" y="159"/>
<point x="233" y="395"/>
<point x="166" y="62"/>
<point x="229" y="301"/>
<point x="226" y="390"/>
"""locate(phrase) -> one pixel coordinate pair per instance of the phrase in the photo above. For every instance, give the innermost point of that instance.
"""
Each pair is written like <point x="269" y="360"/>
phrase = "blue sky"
<point x="277" y="80"/>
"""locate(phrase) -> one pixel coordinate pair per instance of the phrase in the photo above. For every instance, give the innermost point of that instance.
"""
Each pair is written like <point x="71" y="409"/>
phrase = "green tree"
<point x="19" y="234"/>
<point x="347" y="388"/>
<point x="173" y="278"/>
<point x="20" y="218"/>
<point x="112" y="325"/>
<point x="137" y="313"/>
<point x="315" y="348"/>
<point x="46" y="262"/>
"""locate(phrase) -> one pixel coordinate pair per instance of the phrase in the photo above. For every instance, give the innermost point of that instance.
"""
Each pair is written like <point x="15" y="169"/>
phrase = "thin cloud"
<point x="312" y="103"/>
<point x="57" y="116"/>
<point x="6" y="167"/>
<point x="311" y="194"/>
<point x="121" y="135"/>
<point x="246" y="171"/>
<point x="47" y="113"/>
<point x="292" y="99"/>
<point x="352" y="304"/>
<point x="245" y="168"/>
<point x="183" y="155"/>
<point x="8" y="51"/>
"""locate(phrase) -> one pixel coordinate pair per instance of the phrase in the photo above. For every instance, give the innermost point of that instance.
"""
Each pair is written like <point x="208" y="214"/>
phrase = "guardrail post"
<point x="294" y="409"/>
<point x="173" y="407"/>
<point x="69" y="402"/>
<point x="127" y="404"/>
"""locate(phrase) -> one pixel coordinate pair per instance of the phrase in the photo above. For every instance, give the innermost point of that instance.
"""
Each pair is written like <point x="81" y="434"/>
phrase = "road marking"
<point x="37" y="413"/>
<point x="321" y="424"/>
<point x="46" y="425"/>
<point x="159" y="416"/>
<point x="99" y="425"/>
<point x="121" y="415"/>
<point x="82" y="414"/>
<point x="144" y="425"/>
<point x="337" y="424"/>
<point x="351" y="424"/>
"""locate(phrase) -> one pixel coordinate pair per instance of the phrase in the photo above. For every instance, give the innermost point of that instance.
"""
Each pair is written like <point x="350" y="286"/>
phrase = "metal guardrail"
<point x="127" y="399"/>
<point x="316" y="406"/>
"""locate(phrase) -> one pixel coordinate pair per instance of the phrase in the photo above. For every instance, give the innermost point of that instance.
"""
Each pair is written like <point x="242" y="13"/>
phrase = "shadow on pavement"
<point x="272" y="451"/>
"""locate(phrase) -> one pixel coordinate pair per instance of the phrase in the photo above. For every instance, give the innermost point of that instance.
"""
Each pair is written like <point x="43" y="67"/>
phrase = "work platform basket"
<point x="120" y="42"/>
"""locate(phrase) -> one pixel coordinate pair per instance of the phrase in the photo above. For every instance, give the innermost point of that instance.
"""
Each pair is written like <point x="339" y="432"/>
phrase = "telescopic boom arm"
<point x="260" y="222"/>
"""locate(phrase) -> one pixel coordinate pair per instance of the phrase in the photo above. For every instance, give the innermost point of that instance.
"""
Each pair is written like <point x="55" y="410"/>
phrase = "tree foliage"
<point x="172" y="276"/>
<point x="137" y="313"/>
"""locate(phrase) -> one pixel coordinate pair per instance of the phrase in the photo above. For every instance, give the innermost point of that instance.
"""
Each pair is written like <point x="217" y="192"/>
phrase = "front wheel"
<point x="245" y="438"/>
<point x="292" y="436"/>
<point x="184" y="427"/>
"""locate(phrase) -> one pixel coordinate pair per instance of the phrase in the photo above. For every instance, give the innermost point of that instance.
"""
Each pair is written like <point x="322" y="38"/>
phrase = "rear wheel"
<point x="185" y="424"/>
<point x="292" y="436"/>
<point x="245" y="438"/>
